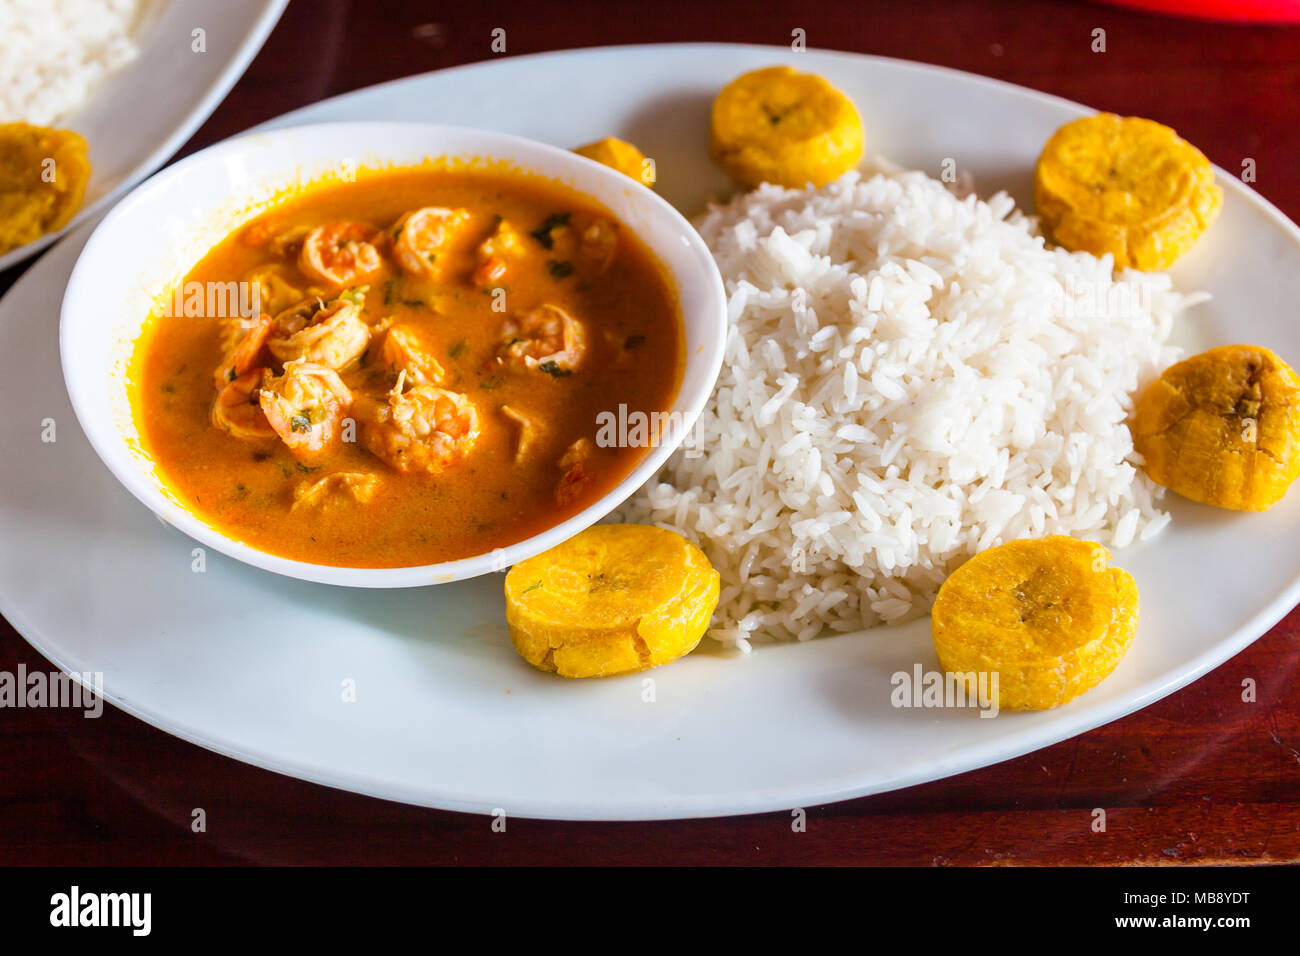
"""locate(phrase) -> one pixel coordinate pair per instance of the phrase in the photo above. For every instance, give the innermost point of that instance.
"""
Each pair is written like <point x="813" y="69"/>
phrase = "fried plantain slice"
<point x="611" y="600"/>
<point x="1046" y="615"/>
<point x="1222" y="428"/>
<point x="620" y="155"/>
<point x="777" y="125"/>
<point x="1125" y="185"/>
<point x="43" y="176"/>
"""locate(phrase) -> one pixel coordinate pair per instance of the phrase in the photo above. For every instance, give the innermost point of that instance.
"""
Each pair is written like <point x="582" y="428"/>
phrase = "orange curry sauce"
<point x="471" y="324"/>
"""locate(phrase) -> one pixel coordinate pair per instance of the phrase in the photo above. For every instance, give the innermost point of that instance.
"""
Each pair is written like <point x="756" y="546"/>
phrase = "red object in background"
<point x="1244" y="11"/>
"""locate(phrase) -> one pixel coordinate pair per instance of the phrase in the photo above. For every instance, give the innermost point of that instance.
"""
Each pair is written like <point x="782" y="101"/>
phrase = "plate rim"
<point x="255" y="37"/>
<point x="768" y="799"/>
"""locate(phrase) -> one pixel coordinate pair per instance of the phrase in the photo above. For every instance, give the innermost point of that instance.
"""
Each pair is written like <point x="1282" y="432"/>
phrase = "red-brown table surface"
<point x="1200" y="777"/>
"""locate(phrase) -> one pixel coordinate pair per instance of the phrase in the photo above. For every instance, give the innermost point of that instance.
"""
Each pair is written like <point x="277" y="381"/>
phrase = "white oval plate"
<point x="253" y="665"/>
<point x="147" y="110"/>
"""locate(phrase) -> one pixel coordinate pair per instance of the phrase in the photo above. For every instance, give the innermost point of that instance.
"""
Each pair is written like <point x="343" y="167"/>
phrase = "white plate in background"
<point x="147" y="110"/>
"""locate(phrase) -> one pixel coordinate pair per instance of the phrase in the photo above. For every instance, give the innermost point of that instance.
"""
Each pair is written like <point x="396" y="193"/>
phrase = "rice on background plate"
<point x="909" y="378"/>
<point x="54" y="53"/>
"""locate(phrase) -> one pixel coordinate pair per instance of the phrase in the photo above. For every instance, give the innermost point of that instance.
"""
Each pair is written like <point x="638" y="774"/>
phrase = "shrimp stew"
<point x="421" y="377"/>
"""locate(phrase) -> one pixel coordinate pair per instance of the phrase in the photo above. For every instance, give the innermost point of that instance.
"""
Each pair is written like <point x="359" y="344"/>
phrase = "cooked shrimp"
<point x="575" y="476"/>
<point x="237" y="409"/>
<point x="422" y="235"/>
<point x="298" y="315"/>
<point x="340" y="253"/>
<point x="404" y="353"/>
<point x="332" y="336"/>
<point x="546" y="337"/>
<point x="305" y="406"/>
<point x="599" y="244"/>
<point x="494" y="254"/>
<point x="425" y="429"/>
<point x="342" y="487"/>
<point x="243" y="349"/>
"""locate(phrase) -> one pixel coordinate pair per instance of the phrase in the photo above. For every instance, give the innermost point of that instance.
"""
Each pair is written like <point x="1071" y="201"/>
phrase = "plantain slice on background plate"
<point x="611" y="600"/>
<point x="1126" y="186"/>
<point x="43" y="176"/>
<point x="780" y="126"/>
<point x="1222" y="428"/>
<point x="621" y="155"/>
<point x="1047" y="615"/>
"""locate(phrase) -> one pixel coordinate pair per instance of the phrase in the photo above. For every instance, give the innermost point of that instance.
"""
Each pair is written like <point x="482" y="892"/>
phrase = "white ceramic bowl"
<point x="158" y="232"/>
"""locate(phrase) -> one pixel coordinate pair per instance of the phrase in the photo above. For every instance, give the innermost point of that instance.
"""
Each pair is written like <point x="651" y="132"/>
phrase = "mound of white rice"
<point x="909" y="378"/>
<point x="56" y="52"/>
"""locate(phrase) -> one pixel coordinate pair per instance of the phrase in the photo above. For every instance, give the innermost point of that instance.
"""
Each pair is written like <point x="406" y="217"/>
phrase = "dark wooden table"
<point x="1201" y="777"/>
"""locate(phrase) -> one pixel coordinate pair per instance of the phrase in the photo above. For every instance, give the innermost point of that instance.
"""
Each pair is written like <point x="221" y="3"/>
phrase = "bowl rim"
<point x="114" y="449"/>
